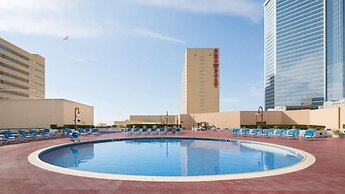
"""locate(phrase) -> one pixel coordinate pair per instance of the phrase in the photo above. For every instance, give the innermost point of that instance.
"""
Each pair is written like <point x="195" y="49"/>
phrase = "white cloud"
<point x="81" y="59"/>
<point x="156" y="35"/>
<point x="56" y="18"/>
<point x="43" y="17"/>
<point x="33" y="5"/>
<point x="251" y="9"/>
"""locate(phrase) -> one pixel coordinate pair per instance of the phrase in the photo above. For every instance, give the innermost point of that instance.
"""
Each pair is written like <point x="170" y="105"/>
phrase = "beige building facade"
<point x="200" y="81"/>
<point x="154" y="119"/>
<point x="42" y="113"/>
<point x="331" y="118"/>
<point x="22" y="74"/>
<point x="149" y="119"/>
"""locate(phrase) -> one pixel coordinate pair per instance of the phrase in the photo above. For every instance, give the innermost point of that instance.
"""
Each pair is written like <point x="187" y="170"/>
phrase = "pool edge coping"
<point x="308" y="160"/>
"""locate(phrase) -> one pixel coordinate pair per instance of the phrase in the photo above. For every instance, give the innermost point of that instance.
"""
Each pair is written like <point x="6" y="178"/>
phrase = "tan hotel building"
<point x="200" y="84"/>
<point x="22" y="94"/>
<point x="201" y="102"/>
<point x="22" y="74"/>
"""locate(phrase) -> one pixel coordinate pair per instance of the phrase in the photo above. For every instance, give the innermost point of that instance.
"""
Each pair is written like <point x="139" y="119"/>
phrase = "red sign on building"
<point x="216" y="67"/>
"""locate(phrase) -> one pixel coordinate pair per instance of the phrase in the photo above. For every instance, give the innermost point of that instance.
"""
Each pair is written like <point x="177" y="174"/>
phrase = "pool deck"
<point x="327" y="175"/>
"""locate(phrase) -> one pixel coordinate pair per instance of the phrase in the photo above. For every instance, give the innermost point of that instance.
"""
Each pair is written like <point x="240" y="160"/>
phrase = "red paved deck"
<point x="327" y="175"/>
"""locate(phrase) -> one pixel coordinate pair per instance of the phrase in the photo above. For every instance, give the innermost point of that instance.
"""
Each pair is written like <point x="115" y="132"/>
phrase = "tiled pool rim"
<point x="307" y="161"/>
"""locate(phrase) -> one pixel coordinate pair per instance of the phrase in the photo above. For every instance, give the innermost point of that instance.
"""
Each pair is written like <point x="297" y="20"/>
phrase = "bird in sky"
<point x="65" y="38"/>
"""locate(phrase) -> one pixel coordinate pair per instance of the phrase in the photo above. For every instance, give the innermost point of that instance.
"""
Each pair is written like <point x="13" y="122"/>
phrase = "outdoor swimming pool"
<point x="171" y="157"/>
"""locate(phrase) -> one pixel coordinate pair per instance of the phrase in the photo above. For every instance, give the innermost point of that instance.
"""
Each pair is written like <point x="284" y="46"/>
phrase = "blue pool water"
<point x="171" y="157"/>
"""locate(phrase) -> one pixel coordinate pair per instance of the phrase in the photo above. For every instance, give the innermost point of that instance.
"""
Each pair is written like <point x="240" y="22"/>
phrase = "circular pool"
<point x="175" y="159"/>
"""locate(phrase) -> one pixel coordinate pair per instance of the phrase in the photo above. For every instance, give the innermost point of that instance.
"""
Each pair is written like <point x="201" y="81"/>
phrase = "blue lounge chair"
<point x="35" y="134"/>
<point x="10" y="137"/>
<point x="178" y="131"/>
<point x="45" y="133"/>
<point x="267" y="132"/>
<point x="309" y="134"/>
<point x="255" y="132"/>
<point x="292" y="134"/>
<point x="64" y="131"/>
<point x="75" y="136"/>
<point x="82" y="131"/>
<point x="169" y="131"/>
<point x="94" y="131"/>
<point x="244" y="132"/>
<point x="52" y="134"/>
<point x="69" y="132"/>
<point x="162" y="131"/>
<point x="128" y="131"/>
<point x="25" y="135"/>
<point x="153" y="131"/>
<point x="235" y="131"/>
<point x="145" y="131"/>
<point x="136" y="131"/>
<point x="279" y="133"/>
<point x="88" y="131"/>
<point x="3" y="140"/>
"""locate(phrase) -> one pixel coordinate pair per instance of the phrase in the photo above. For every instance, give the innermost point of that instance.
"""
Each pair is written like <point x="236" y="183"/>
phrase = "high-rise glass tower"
<point x="270" y="54"/>
<point x="304" y="52"/>
<point x="335" y="49"/>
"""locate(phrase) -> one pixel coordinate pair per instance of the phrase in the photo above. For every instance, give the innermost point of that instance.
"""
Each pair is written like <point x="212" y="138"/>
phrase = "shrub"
<point x="337" y="132"/>
<point x="78" y="126"/>
<point x="53" y="126"/>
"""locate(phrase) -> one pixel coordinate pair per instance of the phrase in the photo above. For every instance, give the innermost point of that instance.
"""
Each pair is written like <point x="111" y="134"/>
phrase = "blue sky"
<point x="126" y="57"/>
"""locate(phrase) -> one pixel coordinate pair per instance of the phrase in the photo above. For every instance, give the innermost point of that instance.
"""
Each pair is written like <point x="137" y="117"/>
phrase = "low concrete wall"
<point x="327" y="117"/>
<point x="41" y="113"/>
<point x="86" y="116"/>
<point x="332" y="118"/>
<point x="295" y="117"/>
<point x="270" y="117"/>
<point x="172" y="119"/>
<point x="186" y="121"/>
<point x="219" y="119"/>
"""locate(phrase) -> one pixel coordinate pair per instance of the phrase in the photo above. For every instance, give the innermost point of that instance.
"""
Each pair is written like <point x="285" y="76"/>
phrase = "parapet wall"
<point x="332" y="118"/>
<point x="41" y="113"/>
<point x="219" y="119"/>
